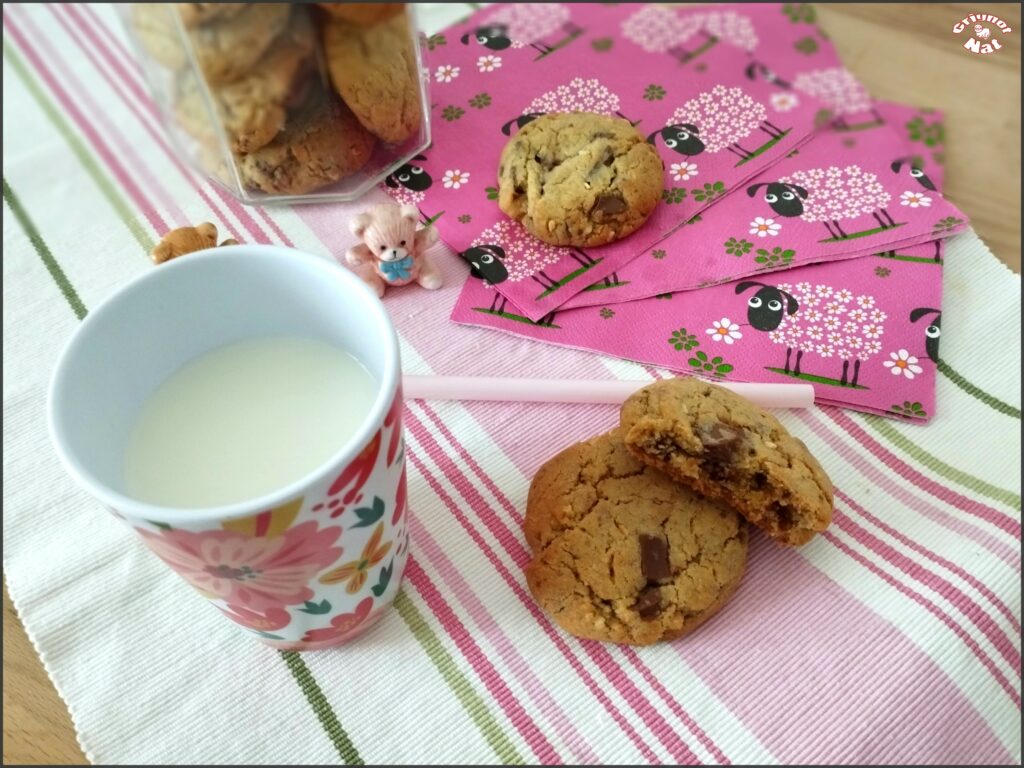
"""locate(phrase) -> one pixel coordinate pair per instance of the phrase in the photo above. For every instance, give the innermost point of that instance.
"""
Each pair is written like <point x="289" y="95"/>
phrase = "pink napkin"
<point x="508" y="64"/>
<point x="864" y="331"/>
<point x="866" y="192"/>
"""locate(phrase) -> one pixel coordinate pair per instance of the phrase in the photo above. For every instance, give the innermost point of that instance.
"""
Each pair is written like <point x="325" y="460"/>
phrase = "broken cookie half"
<point x="726" y="448"/>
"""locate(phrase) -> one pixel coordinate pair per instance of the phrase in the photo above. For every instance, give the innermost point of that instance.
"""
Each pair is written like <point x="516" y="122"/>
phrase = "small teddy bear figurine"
<point x="184" y="240"/>
<point x="392" y="251"/>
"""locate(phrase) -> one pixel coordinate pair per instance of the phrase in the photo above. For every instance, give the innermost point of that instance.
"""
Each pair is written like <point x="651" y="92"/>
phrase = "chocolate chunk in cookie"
<point x="624" y="554"/>
<point x="579" y="178"/>
<point x="374" y="70"/>
<point x="726" y="448"/>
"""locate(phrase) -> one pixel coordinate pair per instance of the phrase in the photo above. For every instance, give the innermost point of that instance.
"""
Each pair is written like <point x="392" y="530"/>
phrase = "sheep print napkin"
<point x="508" y="65"/>
<point x="842" y="195"/>
<point x="864" y="331"/>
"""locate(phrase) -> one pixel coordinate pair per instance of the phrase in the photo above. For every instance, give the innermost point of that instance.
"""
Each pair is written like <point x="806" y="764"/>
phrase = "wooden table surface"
<point x="902" y="52"/>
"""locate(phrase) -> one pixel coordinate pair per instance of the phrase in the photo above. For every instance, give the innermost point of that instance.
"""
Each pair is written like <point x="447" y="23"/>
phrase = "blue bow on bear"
<point x="396" y="270"/>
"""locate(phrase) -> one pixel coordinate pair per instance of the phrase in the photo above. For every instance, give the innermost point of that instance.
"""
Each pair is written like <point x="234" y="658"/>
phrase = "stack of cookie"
<point x="300" y="95"/>
<point x="640" y="535"/>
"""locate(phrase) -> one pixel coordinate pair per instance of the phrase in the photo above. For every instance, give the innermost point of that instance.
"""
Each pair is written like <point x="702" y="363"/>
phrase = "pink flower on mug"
<point x="266" y="621"/>
<point x="254" y="572"/>
<point x="341" y="626"/>
<point x="903" y="364"/>
<point x="355" y="572"/>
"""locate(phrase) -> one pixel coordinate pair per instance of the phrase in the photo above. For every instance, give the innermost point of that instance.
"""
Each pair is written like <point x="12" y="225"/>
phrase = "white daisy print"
<point x="865" y="302"/>
<point x="488" y="63"/>
<point x="903" y="364"/>
<point x="783" y="102"/>
<point x="873" y="330"/>
<point x="724" y="330"/>
<point x="446" y="73"/>
<point x="824" y="291"/>
<point x="683" y="171"/>
<point x="455" y="179"/>
<point x="878" y="316"/>
<point x="915" y="200"/>
<point x="857" y="314"/>
<point x="763" y="227"/>
<point x="843" y="296"/>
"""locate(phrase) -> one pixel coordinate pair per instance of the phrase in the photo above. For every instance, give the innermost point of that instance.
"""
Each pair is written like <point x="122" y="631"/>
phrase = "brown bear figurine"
<point x="184" y="240"/>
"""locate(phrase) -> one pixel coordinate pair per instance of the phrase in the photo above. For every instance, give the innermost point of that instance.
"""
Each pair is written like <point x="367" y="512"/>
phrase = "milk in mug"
<point x="244" y="420"/>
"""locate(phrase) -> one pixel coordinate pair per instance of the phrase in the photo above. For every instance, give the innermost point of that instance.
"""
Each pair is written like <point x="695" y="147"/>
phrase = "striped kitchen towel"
<point x="893" y="637"/>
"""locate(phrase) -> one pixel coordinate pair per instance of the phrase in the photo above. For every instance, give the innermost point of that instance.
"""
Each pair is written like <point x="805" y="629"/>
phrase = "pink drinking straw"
<point x="581" y="390"/>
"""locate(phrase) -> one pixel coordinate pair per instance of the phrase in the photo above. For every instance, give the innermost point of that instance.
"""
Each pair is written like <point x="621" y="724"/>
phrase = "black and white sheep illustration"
<point x="410" y="176"/>
<point x="914" y="171"/>
<point x="524" y="24"/>
<point x="507" y="252"/>
<point x="818" y="320"/>
<point x="685" y="36"/>
<point x="828" y="195"/>
<point x="578" y="95"/>
<point x="932" y="331"/>
<point x="757" y="71"/>
<point x="715" y="120"/>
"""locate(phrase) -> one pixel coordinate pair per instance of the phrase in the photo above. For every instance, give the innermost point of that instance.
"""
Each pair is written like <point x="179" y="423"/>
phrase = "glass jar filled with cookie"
<point x="280" y="102"/>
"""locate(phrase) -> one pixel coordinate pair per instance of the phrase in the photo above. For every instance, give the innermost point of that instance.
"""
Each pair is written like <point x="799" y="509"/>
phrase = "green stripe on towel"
<point x="322" y="708"/>
<point x="990" y="400"/>
<point x="55" y="270"/>
<point x="471" y="702"/>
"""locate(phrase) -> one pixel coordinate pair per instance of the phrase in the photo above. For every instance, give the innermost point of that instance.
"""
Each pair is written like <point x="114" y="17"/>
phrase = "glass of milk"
<point x="241" y="409"/>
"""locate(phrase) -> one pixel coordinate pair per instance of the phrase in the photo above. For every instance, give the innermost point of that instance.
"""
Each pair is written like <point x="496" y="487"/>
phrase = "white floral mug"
<point x="310" y="565"/>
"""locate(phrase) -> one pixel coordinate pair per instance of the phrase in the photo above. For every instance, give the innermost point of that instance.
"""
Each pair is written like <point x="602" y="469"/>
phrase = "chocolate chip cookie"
<point x="253" y="108"/>
<point x="321" y="143"/>
<point x="579" y="179"/>
<point x="363" y="14"/>
<point x="374" y="70"/>
<point x="726" y="448"/>
<point x="624" y="554"/>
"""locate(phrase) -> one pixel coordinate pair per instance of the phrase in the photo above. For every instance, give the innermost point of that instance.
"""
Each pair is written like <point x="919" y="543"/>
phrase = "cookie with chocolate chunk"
<point x="579" y="178"/>
<point x="623" y="554"/>
<point x="724" y="447"/>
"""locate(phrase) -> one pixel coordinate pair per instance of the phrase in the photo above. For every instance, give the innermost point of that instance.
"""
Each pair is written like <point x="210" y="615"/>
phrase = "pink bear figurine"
<point x="393" y="252"/>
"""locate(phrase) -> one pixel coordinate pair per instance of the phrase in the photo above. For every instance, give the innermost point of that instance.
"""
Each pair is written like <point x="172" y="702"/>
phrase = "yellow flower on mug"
<point x="355" y="572"/>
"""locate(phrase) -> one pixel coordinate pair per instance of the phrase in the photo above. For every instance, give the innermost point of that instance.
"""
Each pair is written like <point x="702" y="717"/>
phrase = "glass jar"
<point x="281" y="102"/>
